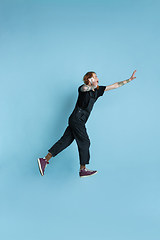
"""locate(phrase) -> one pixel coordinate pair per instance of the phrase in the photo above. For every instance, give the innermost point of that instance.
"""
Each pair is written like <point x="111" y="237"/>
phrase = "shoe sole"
<point x="39" y="165"/>
<point x="88" y="175"/>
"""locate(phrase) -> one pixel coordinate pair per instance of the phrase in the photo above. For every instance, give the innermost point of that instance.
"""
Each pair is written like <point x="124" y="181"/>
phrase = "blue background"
<point x="45" y="49"/>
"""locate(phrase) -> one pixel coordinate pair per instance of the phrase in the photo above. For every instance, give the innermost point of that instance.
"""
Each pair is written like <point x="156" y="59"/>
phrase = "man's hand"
<point x="132" y="77"/>
<point x="86" y="88"/>
<point x="128" y="80"/>
<point x="119" y="84"/>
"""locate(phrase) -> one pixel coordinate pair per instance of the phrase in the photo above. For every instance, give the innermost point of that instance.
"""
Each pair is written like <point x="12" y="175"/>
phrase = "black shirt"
<point x="83" y="97"/>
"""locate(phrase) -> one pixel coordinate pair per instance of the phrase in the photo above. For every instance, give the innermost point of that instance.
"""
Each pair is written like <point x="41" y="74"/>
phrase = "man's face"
<point x="96" y="80"/>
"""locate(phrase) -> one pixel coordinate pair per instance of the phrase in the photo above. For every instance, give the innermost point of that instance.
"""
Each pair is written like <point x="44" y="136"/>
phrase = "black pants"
<point x="75" y="130"/>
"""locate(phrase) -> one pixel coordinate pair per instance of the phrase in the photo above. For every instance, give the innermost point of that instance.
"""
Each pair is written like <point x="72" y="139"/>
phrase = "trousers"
<point x="75" y="130"/>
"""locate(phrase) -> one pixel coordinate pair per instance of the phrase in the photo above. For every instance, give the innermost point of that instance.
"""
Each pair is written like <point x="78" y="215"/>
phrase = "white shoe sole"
<point x="39" y="165"/>
<point x="88" y="175"/>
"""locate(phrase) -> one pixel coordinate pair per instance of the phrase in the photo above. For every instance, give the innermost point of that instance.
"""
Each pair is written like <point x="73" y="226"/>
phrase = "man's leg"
<point x="83" y="142"/>
<point x="60" y="145"/>
<point x="48" y="156"/>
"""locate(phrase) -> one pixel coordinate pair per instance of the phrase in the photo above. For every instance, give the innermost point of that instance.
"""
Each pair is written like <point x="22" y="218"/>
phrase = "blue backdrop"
<point x="45" y="49"/>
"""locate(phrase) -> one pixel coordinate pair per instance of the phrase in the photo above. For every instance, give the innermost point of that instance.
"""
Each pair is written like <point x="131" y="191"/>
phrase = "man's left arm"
<point x="119" y="84"/>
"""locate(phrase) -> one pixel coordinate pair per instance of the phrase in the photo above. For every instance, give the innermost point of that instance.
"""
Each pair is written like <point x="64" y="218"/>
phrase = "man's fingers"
<point x="134" y="72"/>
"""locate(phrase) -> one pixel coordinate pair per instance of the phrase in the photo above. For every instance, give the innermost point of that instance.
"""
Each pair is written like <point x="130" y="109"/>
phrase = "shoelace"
<point x="46" y="160"/>
<point x="86" y="169"/>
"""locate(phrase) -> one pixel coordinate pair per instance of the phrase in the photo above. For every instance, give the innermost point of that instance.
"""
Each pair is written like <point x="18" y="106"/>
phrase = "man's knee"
<point x="87" y="143"/>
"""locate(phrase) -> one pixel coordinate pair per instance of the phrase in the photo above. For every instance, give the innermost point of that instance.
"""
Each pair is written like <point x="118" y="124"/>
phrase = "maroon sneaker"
<point x="42" y="163"/>
<point x="86" y="172"/>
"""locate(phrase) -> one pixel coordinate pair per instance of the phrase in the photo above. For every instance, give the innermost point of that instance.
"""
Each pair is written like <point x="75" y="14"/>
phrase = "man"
<point x="89" y="92"/>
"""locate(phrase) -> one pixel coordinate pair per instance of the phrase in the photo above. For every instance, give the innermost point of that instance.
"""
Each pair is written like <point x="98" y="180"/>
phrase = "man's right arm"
<point x="86" y="88"/>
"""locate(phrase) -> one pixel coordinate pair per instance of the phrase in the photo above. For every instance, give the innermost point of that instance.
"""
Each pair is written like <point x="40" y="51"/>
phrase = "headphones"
<point x="91" y="80"/>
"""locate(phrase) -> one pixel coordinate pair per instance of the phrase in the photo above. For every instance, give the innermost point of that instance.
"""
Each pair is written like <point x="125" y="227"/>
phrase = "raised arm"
<point x="119" y="84"/>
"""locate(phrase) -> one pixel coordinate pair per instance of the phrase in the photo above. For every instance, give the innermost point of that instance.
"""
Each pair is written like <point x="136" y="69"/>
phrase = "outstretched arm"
<point x="119" y="84"/>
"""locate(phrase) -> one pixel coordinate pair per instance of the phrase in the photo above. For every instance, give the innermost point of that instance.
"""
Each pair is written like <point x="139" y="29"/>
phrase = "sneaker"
<point x="86" y="172"/>
<point x="42" y="163"/>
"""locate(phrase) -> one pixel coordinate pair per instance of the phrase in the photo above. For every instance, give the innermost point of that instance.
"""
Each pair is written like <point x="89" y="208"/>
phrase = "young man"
<point x="89" y="92"/>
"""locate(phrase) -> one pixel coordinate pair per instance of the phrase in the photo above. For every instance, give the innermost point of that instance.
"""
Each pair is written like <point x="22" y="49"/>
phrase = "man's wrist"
<point x="127" y="81"/>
